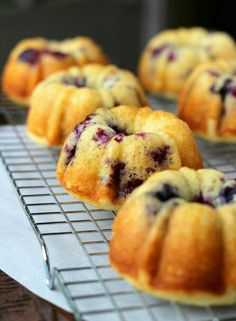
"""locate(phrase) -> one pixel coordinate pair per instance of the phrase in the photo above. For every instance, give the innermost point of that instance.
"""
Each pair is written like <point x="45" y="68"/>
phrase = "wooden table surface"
<point x="19" y="304"/>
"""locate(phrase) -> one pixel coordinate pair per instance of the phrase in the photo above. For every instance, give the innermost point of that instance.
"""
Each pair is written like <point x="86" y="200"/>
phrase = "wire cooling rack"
<point x="93" y="290"/>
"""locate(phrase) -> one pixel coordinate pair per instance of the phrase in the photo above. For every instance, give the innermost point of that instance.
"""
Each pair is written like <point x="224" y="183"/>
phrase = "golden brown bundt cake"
<point x="113" y="151"/>
<point x="32" y="60"/>
<point x="208" y="101"/>
<point x="175" y="237"/>
<point x="170" y="57"/>
<point x="66" y="98"/>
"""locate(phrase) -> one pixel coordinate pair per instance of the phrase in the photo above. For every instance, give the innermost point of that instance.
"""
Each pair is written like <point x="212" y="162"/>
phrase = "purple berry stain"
<point x="101" y="136"/>
<point x="233" y="91"/>
<point x="213" y="73"/>
<point x="158" y="50"/>
<point x="119" y="137"/>
<point x="141" y="135"/>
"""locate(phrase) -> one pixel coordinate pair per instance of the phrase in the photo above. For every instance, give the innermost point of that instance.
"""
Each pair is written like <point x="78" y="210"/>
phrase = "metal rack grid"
<point x="93" y="290"/>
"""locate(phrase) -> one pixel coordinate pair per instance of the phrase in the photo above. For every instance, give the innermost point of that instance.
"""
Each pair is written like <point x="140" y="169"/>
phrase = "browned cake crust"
<point x="114" y="151"/>
<point x="171" y="56"/>
<point x="66" y="98"/>
<point x="208" y="101"/>
<point x="175" y="237"/>
<point x="32" y="60"/>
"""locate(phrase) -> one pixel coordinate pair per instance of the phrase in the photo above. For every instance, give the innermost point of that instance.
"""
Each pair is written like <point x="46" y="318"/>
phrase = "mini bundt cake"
<point x="32" y="60"/>
<point x="175" y="237"/>
<point x="66" y="98"/>
<point x="208" y="101"/>
<point x="171" y="56"/>
<point x="113" y="151"/>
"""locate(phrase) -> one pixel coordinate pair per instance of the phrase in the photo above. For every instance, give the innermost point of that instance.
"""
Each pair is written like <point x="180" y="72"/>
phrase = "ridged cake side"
<point x="175" y="237"/>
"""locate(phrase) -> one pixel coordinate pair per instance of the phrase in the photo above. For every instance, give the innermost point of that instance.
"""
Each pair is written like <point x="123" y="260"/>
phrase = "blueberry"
<point x="150" y="170"/>
<point x="78" y="130"/>
<point x="74" y="81"/>
<point x="227" y="194"/>
<point x="160" y="154"/>
<point x="223" y="90"/>
<point x="70" y="153"/>
<point x="129" y="186"/>
<point x="80" y="82"/>
<point x="31" y="56"/>
<point x="118" y="170"/>
<point x="171" y="56"/>
<point x="200" y="198"/>
<point x="89" y="117"/>
<point x="166" y="193"/>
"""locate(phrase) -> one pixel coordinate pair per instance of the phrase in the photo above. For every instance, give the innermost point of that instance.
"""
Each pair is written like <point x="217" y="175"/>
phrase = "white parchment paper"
<point x="20" y="255"/>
